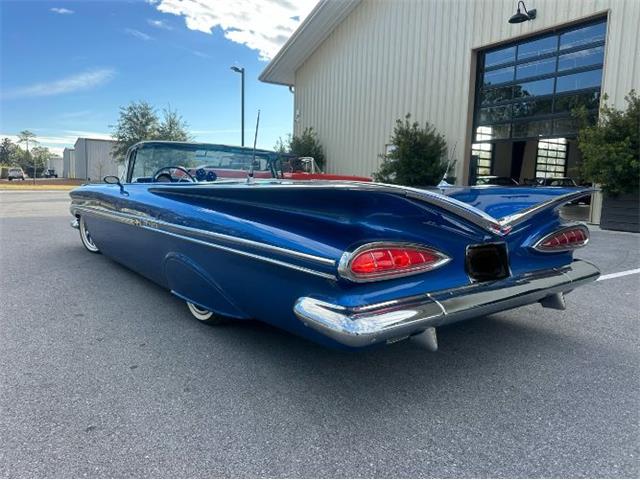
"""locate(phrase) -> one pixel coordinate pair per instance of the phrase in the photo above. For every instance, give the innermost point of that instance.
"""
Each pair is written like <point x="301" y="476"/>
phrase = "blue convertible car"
<point x="348" y="264"/>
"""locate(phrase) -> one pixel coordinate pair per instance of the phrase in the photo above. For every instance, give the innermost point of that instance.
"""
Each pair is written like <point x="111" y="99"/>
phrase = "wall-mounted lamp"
<point x="520" y="17"/>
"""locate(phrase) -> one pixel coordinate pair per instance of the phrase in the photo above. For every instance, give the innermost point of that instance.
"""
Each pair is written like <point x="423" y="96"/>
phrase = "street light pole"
<point x="240" y="70"/>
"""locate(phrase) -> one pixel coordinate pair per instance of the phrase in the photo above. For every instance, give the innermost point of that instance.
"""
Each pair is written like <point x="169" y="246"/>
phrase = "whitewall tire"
<point x="205" y="316"/>
<point x="86" y="238"/>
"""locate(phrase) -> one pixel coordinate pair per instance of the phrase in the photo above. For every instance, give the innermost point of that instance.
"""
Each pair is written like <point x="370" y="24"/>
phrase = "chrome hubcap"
<point x="86" y="237"/>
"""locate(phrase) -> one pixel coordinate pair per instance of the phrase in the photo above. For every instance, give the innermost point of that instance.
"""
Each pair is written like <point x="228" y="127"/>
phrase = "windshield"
<point x="294" y="164"/>
<point x="202" y="162"/>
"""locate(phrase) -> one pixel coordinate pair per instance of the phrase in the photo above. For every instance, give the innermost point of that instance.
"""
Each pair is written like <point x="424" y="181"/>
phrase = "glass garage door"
<point x="528" y="89"/>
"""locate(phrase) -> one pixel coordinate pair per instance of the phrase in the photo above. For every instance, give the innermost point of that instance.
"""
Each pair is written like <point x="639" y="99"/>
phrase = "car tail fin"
<point x="513" y="205"/>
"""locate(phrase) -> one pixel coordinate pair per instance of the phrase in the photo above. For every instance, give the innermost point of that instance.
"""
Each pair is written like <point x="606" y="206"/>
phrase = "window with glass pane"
<point x="501" y="75"/>
<point x="531" y="129"/>
<point x="534" y="69"/>
<point x="579" y="81"/>
<point x="498" y="57"/>
<point x="536" y="83"/>
<point x="532" y="108"/>
<point x="497" y="95"/>
<point x="566" y="103"/>
<point x="583" y="36"/>
<point x="484" y="157"/>
<point x="532" y="89"/>
<point x="551" y="160"/>
<point x="538" y="47"/>
<point x="495" y="114"/>
<point x="581" y="58"/>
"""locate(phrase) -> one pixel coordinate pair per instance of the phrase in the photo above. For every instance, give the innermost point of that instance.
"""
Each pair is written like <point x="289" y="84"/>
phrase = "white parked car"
<point x="15" y="173"/>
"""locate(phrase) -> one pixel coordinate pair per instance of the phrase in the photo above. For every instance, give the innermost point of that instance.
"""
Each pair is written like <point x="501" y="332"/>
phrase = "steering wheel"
<point x="158" y="173"/>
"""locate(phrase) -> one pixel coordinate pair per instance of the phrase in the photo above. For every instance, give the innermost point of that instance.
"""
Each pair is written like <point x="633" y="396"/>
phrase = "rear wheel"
<point x="87" y="239"/>
<point x="204" y="315"/>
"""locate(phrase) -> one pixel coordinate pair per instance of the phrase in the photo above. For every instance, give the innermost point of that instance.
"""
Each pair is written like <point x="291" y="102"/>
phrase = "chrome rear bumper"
<point x="397" y="319"/>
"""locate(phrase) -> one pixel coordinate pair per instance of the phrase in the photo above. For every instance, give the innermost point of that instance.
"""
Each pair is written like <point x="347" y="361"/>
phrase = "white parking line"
<point x="619" y="274"/>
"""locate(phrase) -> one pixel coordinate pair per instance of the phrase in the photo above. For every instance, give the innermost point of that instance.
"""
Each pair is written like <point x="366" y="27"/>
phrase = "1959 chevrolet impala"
<point x="346" y="264"/>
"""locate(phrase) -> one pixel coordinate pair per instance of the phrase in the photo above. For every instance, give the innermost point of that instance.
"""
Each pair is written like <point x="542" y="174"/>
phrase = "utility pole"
<point x="240" y="70"/>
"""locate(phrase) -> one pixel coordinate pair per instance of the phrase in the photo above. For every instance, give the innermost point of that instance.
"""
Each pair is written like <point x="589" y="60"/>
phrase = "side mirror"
<point x="113" y="180"/>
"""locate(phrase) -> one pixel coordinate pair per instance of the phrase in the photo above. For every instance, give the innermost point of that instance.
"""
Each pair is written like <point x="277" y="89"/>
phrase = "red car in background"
<point x="305" y="168"/>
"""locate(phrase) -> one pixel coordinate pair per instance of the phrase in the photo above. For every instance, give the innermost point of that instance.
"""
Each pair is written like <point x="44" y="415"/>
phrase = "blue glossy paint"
<point x="313" y="219"/>
<point x="502" y="201"/>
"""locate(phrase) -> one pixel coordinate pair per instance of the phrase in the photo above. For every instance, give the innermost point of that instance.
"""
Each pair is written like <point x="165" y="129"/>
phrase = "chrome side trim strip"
<point x="174" y="231"/>
<point x="218" y="236"/>
<point x="244" y="254"/>
<point x="395" y="319"/>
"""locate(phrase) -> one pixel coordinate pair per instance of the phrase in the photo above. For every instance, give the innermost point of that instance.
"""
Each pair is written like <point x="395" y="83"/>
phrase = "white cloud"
<point x="80" y="81"/>
<point x="84" y="133"/>
<point x="138" y="34"/>
<point x="62" y="11"/>
<point x="159" y="24"/>
<point x="262" y="25"/>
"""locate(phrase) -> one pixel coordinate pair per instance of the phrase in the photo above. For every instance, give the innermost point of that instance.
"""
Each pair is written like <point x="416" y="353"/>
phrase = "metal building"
<point x="94" y="160"/>
<point x="68" y="163"/>
<point x="55" y="162"/>
<point x="497" y="90"/>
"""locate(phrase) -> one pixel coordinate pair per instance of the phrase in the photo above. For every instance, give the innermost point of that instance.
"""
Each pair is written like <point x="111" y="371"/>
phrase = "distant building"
<point x="69" y="163"/>
<point x="55" y="162"/>
<point x="93" y="160"/>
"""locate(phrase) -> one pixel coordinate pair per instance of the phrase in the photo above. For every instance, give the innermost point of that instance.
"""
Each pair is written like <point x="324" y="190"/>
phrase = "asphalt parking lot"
<point x="104" y="374"/>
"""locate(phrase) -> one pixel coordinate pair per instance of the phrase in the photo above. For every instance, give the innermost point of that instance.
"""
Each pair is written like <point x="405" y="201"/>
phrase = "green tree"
<point x="27" y="137"/>
<point x="308" y="145"/>
<point x="419" y="157"/>
<point x="304" y="145"/>
<point x="172" y="127"/>
<point x="8" y="152"/>
<point x="39" y="158"/>
<point x="139" y="121"/>
<point x="611" y="148"/>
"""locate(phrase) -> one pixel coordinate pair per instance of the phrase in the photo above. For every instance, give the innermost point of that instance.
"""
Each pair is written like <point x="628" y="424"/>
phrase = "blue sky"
<point x="67" y="67"/>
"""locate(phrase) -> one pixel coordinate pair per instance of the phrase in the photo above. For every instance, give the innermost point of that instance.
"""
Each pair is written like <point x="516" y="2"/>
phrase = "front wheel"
<point x="204" y="315"/>
<point x="87" y="239"/>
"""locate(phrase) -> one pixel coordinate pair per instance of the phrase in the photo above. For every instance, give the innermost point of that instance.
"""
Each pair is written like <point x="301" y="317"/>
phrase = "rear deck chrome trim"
<point x="523" y="215"/>
<point x="368" y="324"/>
<point x="189" y="234"/>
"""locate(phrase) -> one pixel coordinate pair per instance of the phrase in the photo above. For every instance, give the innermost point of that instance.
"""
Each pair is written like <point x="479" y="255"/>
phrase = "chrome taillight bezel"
<point x="344" y="265"/>
<point x="562" y="248"/>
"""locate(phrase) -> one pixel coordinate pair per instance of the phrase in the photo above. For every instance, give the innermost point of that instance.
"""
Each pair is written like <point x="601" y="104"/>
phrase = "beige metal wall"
<point x="391" y="57"/>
